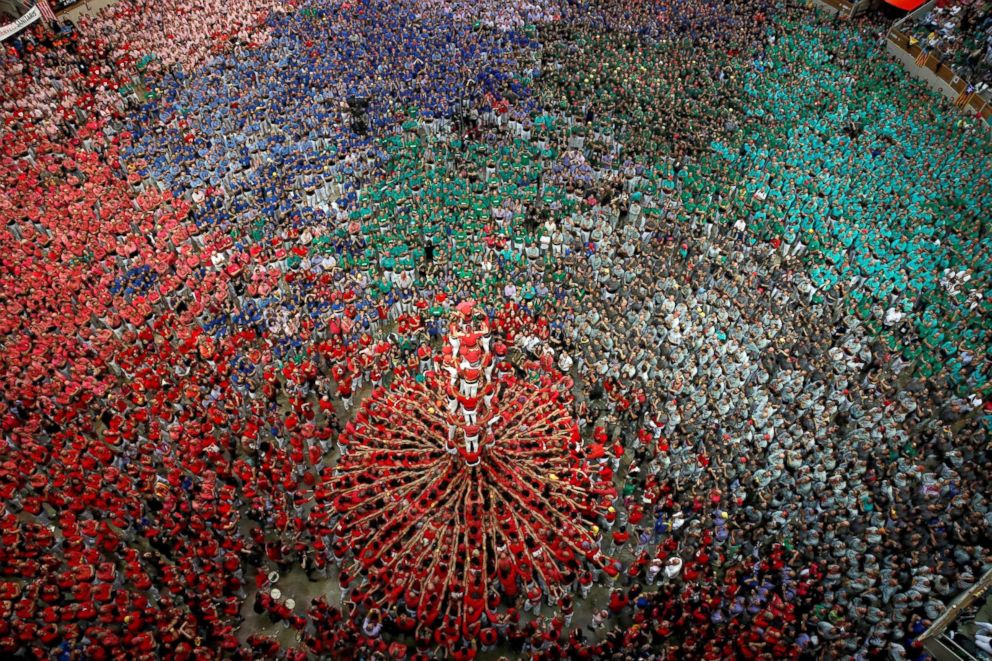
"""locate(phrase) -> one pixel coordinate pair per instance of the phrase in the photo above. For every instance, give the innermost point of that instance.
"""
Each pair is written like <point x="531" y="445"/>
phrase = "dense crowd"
<point x="960" y="33"/>
<point x="761" y="250"/>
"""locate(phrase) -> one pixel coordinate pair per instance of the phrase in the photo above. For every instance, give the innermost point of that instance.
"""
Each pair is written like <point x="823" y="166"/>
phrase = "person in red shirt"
<point x="534" y="595"/>
<point x="617" y="450"/>
<point x="566" y="610"/>
<point x="488" y="638"/>
<point x="618" y="601"/>
<point x="619" y="540"/>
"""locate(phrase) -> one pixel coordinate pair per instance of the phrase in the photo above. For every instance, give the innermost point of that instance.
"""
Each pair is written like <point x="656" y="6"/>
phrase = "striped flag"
<point x="965" y="97"/>
<point x="46" y="11"/>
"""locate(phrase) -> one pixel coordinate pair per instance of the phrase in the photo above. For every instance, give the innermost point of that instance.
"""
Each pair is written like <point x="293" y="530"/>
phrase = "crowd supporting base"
<point x="468" y="486"/>
<point x="759" y="252"/>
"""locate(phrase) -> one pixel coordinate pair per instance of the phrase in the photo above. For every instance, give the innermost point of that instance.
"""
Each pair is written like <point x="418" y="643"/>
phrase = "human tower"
<point x="465" y="485"/>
